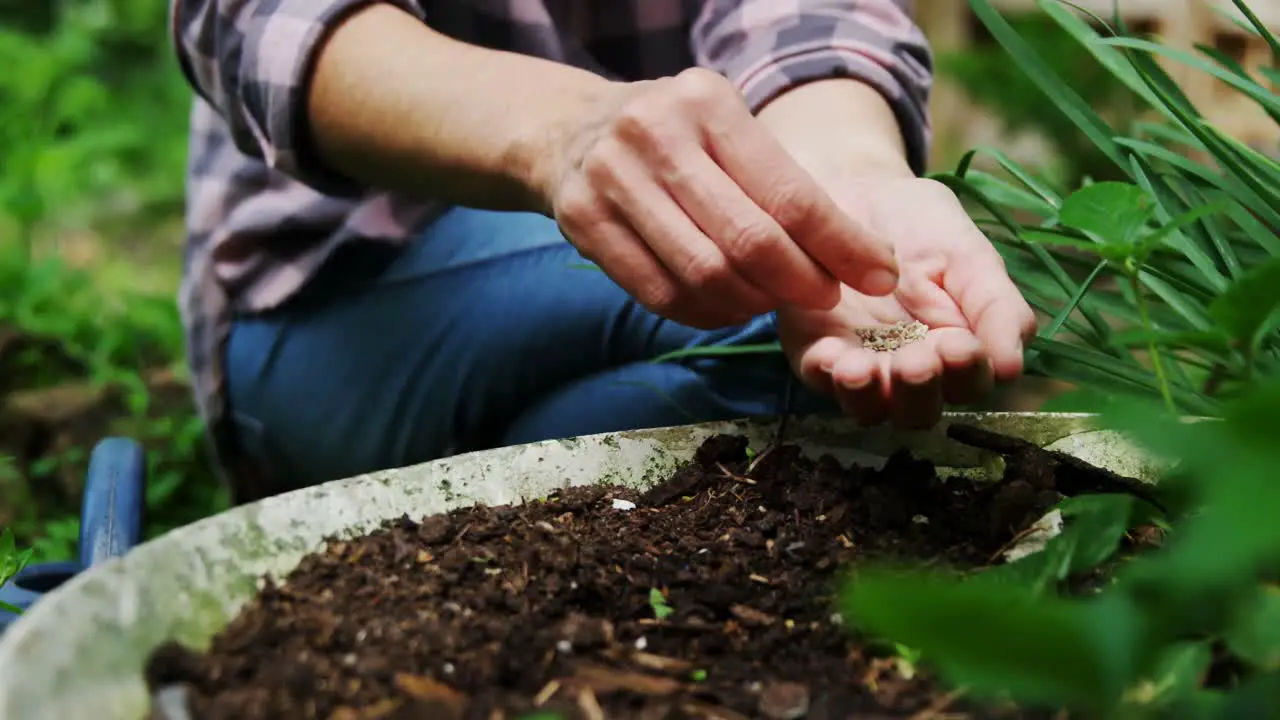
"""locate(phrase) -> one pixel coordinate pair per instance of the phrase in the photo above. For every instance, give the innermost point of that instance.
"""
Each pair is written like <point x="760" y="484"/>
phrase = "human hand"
<point x="678" y="193"/>
<point x="952" y="280"/>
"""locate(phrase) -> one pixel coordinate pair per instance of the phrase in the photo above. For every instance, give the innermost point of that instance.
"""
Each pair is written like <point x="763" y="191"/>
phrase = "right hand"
<point x="695" y="209"/>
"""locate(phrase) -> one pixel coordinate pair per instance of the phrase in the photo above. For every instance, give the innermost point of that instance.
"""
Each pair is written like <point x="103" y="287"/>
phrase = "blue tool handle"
<point x="111" y="512"/>
<point x="111" y="522"/>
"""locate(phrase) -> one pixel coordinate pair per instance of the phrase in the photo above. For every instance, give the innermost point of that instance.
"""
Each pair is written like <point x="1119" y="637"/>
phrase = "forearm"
<point x="396" y="105"/>
<point x="838" y="127"/>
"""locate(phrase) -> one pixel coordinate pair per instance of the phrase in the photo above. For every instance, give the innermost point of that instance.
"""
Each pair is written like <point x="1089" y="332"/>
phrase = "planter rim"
<point x="80" y="651"/>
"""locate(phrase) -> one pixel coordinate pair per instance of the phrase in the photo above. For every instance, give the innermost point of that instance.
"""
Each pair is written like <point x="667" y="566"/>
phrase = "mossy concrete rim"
<point x="80" y="651"/>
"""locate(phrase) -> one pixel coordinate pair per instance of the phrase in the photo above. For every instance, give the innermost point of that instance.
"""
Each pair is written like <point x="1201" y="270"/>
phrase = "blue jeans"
<point x="480" y="333"/>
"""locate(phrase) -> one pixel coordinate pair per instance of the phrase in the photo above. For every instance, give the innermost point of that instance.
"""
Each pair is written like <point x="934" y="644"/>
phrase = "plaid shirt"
<point x="262" y="215"/>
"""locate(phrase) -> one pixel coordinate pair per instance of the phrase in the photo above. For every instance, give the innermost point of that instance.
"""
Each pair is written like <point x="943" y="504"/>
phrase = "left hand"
<point x="951" y="279"/>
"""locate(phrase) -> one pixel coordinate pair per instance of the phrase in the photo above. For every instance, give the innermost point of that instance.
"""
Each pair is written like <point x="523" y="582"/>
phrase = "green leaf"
<point x="1249" y="303"/>
<point x="994" y="638"/>
<point x="1176" y="676"/>
<point x="1096" y="524"/>
<point x="1257" y="232"/>
<point x="1055" y="325"/>
<point x="1093" y="528"/>
<point x="1182" y="302"/>
<point x="1112" y="212"/>
<point x="1054" y="88"/>
<point x="1079" y="400"/>
<point x="1221" y="150"/>
<point x="10" y="561"/>
<point x="964" y="188"/>
<point x="1212" y="341"/>
<point x="1260" y="28"/>
<point x="6" y="607"/>
<point x="1173" y="211"/>
<point x="1256" y="638"/>
<point x="1256" y="92"/>
<point x="1050" y="236"/>
<point x="1073" y="363"/>
<point x="719" y="351"/>
<point x="658" y="601"/>
<point x="1008" y="196"/>
<point x="1256" y="697"/>
<point x="1051" y="199"/>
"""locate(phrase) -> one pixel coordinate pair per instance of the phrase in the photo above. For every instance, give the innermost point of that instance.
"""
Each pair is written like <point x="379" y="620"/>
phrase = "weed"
<point x="658" y="601"/>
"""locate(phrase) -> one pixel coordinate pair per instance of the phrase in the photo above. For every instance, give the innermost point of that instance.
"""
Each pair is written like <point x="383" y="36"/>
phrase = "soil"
<point x="712" y="597"/>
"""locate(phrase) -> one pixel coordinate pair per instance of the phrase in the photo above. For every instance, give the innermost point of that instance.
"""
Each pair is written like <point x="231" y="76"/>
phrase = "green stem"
<point x="1157" y="360"/>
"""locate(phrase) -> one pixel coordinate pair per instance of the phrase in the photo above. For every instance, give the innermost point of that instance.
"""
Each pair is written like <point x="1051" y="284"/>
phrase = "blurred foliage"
<point x="93" y="135"/>
<point x="1163" y="290"/>
<point x="1002" y="86"/>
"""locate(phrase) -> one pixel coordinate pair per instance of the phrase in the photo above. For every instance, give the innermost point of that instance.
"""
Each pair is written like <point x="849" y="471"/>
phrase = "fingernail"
<point x="880" y="282"/>
<point x="921" y="377"/>
<point x="856" y="384"/>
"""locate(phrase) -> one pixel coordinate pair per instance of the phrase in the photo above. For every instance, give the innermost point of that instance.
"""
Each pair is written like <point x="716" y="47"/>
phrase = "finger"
<point x="860" y="378"/>
<point x="677" y="242"/>
<point x="759" y="164"/>
<point x="995" y="309"/>
<point x="920" y="295"/>
<point x="815" y="363"/>
<point x="966" y="372"/>
<point x="915" y="390"/>
<point x="752" y="240"/>
<point x="632" y="265"/>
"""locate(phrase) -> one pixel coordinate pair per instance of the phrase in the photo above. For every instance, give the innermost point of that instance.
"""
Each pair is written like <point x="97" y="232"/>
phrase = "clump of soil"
<point x="712" y="597"/>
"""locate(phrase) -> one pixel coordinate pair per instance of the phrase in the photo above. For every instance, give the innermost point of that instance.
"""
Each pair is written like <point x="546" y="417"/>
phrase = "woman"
<point x="390" y="204"/>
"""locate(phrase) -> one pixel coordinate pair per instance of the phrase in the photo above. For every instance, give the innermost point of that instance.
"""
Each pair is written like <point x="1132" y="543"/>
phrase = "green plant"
<point x="1165" y="286"/>
<point x="1143" y="645"/>
<point x="989" y="79"/>
<point x="658" y="602"/>
<point x="92" y="138"/>
<point x="11" y="563"/>
<point x="1138" y="301"/>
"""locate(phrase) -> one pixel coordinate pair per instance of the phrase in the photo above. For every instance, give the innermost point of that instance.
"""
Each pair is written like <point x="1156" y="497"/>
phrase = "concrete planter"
<point x="81" y="650"/>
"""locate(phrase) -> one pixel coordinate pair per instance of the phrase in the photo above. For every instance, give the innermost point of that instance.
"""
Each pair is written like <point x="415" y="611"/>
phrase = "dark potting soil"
<point x="496" y="612"/>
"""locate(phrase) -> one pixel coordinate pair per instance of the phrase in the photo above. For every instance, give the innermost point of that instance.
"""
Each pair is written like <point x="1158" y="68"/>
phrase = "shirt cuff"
<point x="907" y="96"/>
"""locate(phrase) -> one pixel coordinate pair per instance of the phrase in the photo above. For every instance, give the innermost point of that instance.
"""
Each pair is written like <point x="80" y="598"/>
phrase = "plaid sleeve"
<point x="766" y="47"/>
<point x="251" y="60"/>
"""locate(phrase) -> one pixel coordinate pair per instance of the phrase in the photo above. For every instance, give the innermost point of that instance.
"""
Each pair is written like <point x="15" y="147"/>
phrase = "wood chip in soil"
<point x="497" y="612"/>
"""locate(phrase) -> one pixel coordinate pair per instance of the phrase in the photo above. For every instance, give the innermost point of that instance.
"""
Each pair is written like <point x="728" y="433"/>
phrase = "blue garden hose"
<point x="111" y="519"/>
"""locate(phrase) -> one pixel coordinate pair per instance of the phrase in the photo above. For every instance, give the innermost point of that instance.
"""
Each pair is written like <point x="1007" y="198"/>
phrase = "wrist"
<point x="558" y="133"/>
<point x="839" y="128"/>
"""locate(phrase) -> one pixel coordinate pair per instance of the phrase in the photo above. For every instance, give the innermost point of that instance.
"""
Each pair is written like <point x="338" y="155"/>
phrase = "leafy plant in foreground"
<point x="1132" y="272"/>
<point x="1142" y="645"/>
<point x="1165" y="286"/>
